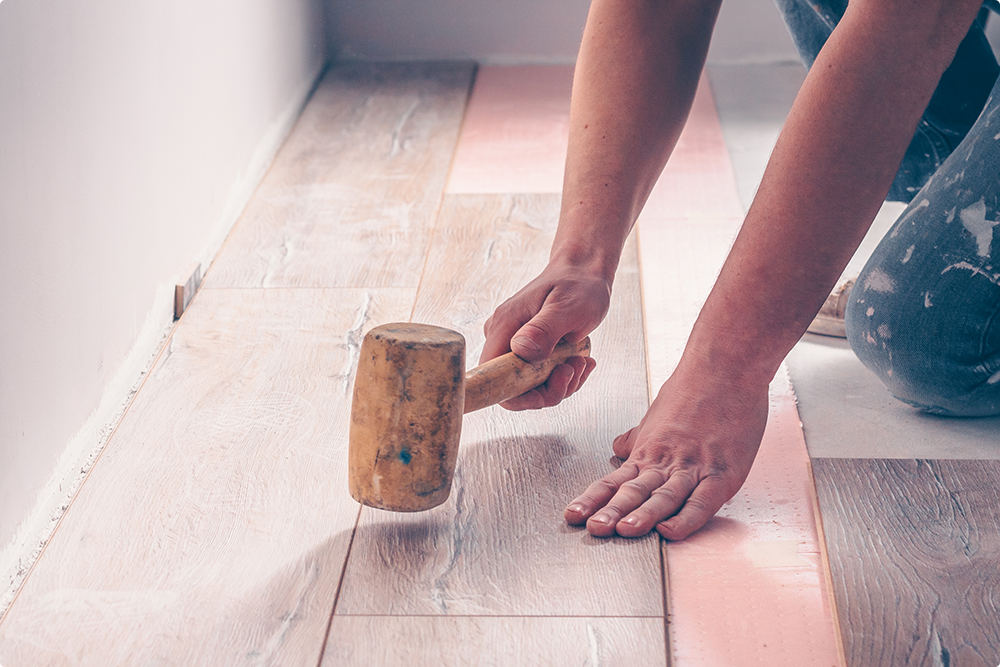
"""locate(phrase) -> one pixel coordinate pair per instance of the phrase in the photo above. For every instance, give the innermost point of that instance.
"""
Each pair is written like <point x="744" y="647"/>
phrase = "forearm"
<point x="827" y="177"/>
<point x="636" y="76"/>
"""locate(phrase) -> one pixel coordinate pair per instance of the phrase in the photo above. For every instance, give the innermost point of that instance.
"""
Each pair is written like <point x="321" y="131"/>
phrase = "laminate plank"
<point x="499" y="546"/>
<point x="214" y="528"/>
<point x="494" y="641"/>
<point x="516" y="131"/>
<point x="915" y="554"/>
<point x="352" y="196"/>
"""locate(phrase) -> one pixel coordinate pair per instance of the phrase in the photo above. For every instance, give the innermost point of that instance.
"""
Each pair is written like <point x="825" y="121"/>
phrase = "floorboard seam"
<point x="824" y="554"/>
<point x="665" y="583"/>
<point x="340" y="585"/>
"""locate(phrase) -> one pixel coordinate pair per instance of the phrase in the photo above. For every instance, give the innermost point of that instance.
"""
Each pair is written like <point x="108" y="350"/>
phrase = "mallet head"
<point x="406" y="416"/>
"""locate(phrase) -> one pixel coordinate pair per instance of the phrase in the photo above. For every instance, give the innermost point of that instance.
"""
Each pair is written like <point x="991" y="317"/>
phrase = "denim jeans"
<point x="953" y="109"/>
<point x="924" y="314"/>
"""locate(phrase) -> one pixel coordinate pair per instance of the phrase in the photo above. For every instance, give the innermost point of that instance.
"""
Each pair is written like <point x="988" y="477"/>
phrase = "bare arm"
<point x="634" y="83"/>
<point x="826" y="179"/>
<point x="828" y="175"/>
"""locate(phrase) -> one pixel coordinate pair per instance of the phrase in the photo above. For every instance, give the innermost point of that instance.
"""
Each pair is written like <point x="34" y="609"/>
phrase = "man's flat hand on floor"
<point x="689" y="455"/>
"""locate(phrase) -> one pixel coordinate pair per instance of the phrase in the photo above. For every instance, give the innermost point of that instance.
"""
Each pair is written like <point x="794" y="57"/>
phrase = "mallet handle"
<point x="509" y="375"/>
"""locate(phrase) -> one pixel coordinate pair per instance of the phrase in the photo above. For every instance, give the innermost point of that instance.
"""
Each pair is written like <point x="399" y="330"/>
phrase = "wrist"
<point x="595" y="260"/>
<point x="589" y="242"/>
<point x="730" y="357"/>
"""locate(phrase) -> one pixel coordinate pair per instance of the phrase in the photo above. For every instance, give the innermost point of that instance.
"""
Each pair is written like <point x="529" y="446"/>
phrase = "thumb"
<point x="539" y="336"/>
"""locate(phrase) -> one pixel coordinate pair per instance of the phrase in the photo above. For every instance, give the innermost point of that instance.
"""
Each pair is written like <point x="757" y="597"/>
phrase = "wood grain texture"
<point x="184" y="291"/>
<point x="915" y="555"/>
<point x="499" y="546"/>
<point x="494" y="641"/>
<point x="214" y="527"/>
<point x="351" y="198"/>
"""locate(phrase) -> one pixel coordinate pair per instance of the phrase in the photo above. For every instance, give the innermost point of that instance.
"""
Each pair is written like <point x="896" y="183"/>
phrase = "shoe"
<point x="830" y="318"/>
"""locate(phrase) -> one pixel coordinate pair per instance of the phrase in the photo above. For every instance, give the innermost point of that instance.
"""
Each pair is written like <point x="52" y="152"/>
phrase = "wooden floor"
<point x="216" y="528"/>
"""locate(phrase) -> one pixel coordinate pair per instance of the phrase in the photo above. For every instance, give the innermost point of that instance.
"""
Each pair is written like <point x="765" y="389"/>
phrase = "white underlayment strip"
<point x="83" y="449"/>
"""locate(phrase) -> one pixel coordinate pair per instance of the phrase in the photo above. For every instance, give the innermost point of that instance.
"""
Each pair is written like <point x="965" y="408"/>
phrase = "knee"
<point x="939" y="355"/>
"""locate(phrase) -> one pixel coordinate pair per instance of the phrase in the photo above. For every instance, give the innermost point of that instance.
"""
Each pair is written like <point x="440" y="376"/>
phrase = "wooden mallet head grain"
<point x="410" y="393"/>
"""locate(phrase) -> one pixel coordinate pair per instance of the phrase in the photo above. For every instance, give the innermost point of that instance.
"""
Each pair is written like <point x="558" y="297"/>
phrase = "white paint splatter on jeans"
<point x="879" y="281"/>
<point x="974" y="220"/>
<point x="965" y="266"/>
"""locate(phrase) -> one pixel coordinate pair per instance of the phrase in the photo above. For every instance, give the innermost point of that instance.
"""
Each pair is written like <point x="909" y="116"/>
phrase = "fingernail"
<point x="576" y="508"/>
<point x="630" y="520"/>
<point x="601" y="518"/>
<point x="527" y="343"/>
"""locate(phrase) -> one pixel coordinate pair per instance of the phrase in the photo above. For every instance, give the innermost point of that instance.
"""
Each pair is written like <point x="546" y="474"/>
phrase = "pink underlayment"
<point x="752" y="586"/>
<point x="515" y="131"/>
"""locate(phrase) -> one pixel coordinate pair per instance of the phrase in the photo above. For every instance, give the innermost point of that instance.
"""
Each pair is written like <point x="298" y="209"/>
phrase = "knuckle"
<point x="684" y="475"/>
<point x="634" y="487"/>
<point x="698" y="504"/>
<point x="719" y="469"/>
<point x="669" y="494"/>
<point x="606" y="485"/>
<point x="618" y="508"/>
<point x="539" y="326"/>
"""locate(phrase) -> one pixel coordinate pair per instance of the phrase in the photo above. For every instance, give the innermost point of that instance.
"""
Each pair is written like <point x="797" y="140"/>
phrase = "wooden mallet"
<point x="410" y="393"/>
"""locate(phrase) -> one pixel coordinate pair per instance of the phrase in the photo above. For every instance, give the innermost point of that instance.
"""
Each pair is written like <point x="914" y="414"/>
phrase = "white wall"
<point x="524" y="31"/>
<point x="131" y="136"/>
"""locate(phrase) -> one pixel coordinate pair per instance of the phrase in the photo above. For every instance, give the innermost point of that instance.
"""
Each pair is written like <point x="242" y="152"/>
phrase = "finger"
<point x="498" y="330"/>
<point x="534" y="341"/>
<point x="579" y="366"/>
<point x="663" y="502"/>
<point x="591" y="365"/>
<point x="545" y="395"/>
<point x="598" y="494"/>
<point x="507" y="319"/>
<point x="539" y="336"/>
<point x="581" y="373"/>
<point x="701" y="506"/>
<point x="623" y="444"/>
<point x="630" y="495"/>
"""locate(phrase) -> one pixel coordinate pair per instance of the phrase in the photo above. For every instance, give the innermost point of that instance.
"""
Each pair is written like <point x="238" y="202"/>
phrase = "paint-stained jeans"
<point x="924" y="314"/>
<point x="953" y="109"/>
